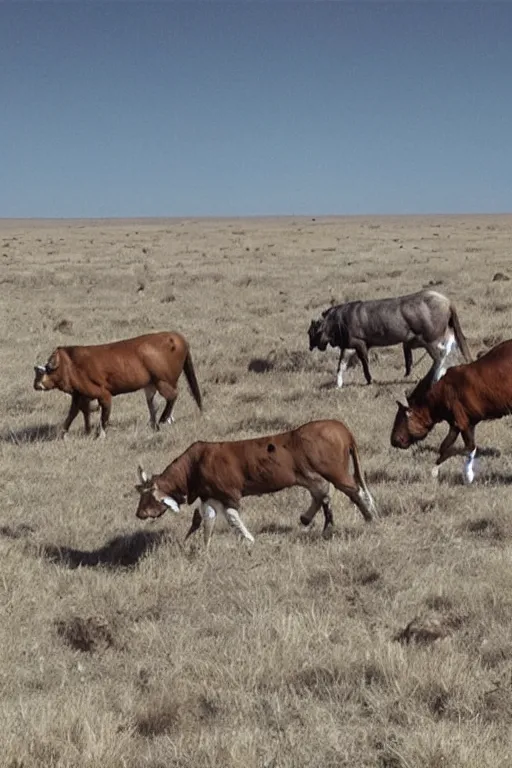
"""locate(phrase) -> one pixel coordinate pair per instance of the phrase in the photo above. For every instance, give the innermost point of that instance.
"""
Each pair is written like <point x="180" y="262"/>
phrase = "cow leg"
<point x="195" y="524"/>
<point x="407" y="357"/>
<point x="328" y="516"/>
<point x="208" y="514"/>
<point x="170" y="393"/>
<point x="84" y="406"/>
<point x="360" y="499"/>
<point x="343" y="364"/>
<point x="362" y="353"/>
<point x="72" y="413"/>
<point x="468" y="435"/>
<point x="105" y="402"/>
<point x="319" y="498"/>
<point x="235" y="522"/>
<point x="150" y="392"/>
<point x="167" y="412"/>
<point x="358" y="496"/>
<point x="446" y="449"/>
<point x="438" y="354"/>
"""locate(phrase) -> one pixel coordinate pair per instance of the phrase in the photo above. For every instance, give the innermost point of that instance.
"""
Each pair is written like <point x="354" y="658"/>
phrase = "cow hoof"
<point x="435" y="472"/>
<point x="305" y="520"/>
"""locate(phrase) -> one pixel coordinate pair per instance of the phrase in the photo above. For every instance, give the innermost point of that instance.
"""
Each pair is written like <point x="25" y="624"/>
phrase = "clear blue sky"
<point x="190" y="109"/>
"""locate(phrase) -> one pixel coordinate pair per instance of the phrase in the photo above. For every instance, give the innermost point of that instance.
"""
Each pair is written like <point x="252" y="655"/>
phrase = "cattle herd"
<point x="316" y="455"/>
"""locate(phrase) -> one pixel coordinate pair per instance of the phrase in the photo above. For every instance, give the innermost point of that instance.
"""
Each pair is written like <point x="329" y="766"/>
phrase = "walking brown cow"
<point x="221" y="474"/>
<point x="464" y="396"/>
<point x="152" y="362"/>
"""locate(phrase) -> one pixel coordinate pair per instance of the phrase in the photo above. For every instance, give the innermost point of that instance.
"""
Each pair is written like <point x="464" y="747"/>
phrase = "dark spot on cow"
<point x="271" y="448"/>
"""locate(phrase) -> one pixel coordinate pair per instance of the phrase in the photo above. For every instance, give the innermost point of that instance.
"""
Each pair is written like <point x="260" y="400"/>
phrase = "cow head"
<point x="317" y="335"/>
<point x="410" y="426"/>
<point x="153" y="501"/>
<point x="48" y="376"/>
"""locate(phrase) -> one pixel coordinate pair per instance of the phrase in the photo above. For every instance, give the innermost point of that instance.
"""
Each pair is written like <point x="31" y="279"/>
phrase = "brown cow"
<point x="464" y="396"/>
<point x="220" y="474"/>
<point x="152" y="362"/>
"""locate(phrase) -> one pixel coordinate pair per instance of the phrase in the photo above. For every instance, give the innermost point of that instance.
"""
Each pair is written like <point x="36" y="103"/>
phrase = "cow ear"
<point x="142" y="475"/>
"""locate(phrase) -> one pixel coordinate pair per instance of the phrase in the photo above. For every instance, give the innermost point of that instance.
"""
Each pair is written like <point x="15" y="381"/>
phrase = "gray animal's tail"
<point x="359" y="477"/>
<point x="192" y="381"/>
<point x="454" y="323"/>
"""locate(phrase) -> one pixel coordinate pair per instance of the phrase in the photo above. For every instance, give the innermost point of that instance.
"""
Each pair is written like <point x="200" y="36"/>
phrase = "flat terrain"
<point x="120" y="646"/>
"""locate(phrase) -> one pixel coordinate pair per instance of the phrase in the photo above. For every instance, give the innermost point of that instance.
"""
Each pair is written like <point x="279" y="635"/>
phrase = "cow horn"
<point x="142" y="475"/>
<point x="40" y="368"/>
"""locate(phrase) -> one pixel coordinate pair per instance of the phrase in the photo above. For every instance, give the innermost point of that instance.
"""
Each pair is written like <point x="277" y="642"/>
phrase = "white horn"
<point x="41" y="368"/>
<point x="142" y="475"/>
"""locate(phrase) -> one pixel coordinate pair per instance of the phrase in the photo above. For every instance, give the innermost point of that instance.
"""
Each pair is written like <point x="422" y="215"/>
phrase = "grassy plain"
<point x="119" y="647"/>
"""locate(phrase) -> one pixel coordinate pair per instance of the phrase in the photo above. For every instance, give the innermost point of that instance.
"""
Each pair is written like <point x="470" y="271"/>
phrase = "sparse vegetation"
<point x="386" y="646"/>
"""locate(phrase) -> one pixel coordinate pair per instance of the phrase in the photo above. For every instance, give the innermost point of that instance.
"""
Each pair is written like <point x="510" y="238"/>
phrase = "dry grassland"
<point x="119" y="646"/>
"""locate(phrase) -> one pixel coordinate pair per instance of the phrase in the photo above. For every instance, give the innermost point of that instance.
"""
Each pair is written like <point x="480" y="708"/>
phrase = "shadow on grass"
<point x="277" y="528"/>
<point x="38" y="433"/>
<point x="17" y="532"/>
<point x="120" y="552"/>
<point x="485" y="478"/>
<point x="485" y="451"/>
<point x="326" y="385"/>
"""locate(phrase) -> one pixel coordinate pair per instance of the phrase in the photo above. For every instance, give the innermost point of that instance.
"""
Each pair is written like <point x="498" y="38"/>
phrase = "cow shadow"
<point x="483" y="479"/>
<point x="486" y="451"/>
<point x="327" y="385"/>
<point x="17" y="532"/>
<point x="276" y="528"/>
<point x="37" y="433"/>
<point x="123" y="551"/>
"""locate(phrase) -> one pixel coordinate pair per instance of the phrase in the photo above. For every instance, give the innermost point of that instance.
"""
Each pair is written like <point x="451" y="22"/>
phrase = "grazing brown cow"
<point x="464" y="396"/>
<point x="220" y="474"/>
<point x="424" y="319"/>
<point x="152" y="362"/>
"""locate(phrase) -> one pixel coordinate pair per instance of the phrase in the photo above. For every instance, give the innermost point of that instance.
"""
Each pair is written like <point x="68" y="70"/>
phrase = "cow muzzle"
<point x="40" y="371"/>
<point x="400" y="442"/>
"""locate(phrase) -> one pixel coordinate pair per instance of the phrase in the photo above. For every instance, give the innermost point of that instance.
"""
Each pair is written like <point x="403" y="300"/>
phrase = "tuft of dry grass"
<point x="123" y="647"/>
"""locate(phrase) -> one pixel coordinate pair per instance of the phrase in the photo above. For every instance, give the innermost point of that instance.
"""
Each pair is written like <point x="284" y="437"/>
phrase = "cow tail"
<point x="188" y="367"/>
<point x="359" y="478"/>
<point x="459" y="336"/>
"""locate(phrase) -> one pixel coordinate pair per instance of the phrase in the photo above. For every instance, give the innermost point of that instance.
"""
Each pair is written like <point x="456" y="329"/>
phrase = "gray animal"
<point x="424" y="319"/>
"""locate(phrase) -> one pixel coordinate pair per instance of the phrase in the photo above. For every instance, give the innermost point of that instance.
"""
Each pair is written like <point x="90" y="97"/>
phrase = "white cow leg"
<point x="469" y="472"/>
<point x="343" y="362"/>
<point x="209" y="515"/>
<point x="450" y="343"/>
<point x="235" y="522"/>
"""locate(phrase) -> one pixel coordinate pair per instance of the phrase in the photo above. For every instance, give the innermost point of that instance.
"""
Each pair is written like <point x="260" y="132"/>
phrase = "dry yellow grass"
<point x="388" y="645"/>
